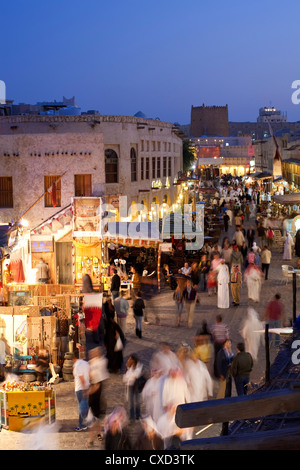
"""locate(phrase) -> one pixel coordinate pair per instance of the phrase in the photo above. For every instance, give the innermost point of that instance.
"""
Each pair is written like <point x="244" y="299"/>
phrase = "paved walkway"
<point x="63" y="436"/>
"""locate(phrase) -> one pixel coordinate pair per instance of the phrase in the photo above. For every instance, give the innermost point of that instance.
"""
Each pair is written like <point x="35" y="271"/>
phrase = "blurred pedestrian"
<point x="116" y="433"/>
<point x="164" y="359"/>
<point x="223" y="362"/>
<point x="121" y="307"/>
<point x="196" y="375"/>
<point x="97" y="392"/>
<point x="253" y="276"/>
<point x="115" y="285"/>
<point x="223" y="285"/>
<point x="149" y="438"/>
<point x="275" y="316"/>
<point x="134" y="370"/>
<point x="288" y="247"/>
<point x="178" y="297"/>
<point x="114" y="341"/>
<point x="250" y="236"/>
<point x="220" y="333"/>
<point x="138" y="310"/>
<point x="81" y="373"/>
<point x="190" y="299"/>
<point x="236" y="284"/>
<point x="266" y="256"/>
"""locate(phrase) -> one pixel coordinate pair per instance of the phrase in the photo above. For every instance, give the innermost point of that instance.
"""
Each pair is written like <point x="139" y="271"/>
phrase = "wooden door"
<point x="64" y="262"/>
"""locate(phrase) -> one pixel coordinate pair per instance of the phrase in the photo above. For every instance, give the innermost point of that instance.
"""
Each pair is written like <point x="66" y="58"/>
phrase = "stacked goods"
<point x="24" y="386"/>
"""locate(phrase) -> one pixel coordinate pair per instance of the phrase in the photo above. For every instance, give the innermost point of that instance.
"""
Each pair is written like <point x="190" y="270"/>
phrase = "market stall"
<point x="87" y="247"/>
<point x="139" y="250"/>
<point x="24" y="405"/>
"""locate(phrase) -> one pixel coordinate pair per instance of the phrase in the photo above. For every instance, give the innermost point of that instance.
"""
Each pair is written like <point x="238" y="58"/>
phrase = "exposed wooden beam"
<point x="287" y="439"/>
<point x="237" y="408"/>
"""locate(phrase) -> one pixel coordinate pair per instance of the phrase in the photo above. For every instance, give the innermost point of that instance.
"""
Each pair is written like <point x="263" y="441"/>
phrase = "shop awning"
<point x="142" y="233"/>
<point x="262" y="175"/>
<point x="287" y="199"/>
<point x="57" y="225"/>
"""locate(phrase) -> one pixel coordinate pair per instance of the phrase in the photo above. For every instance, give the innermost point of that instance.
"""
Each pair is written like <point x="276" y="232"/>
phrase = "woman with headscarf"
<point x="116" y="435"/>
<point x="114" y="341"/>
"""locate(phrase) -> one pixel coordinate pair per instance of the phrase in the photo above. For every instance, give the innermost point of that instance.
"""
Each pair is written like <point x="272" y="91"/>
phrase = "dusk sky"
<point x="159" y="57"/>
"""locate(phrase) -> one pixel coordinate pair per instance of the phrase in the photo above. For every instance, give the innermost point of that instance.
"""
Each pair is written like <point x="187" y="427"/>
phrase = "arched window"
<point x="111" y="166"/>
<point x="133" y="161"/>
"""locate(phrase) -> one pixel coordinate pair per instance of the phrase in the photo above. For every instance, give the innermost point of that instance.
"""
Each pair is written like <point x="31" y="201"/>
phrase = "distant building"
<point x="101" y="154"/>
<point x="201" y="124"/>
<point x="270" y="115"/>
<point x="234" y="155"/>
<point x="66" y="107"/>
<point x="209" y="120"/>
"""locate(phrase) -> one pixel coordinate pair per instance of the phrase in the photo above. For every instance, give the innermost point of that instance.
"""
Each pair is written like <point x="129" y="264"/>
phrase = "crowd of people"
<point x="191" y="373"/>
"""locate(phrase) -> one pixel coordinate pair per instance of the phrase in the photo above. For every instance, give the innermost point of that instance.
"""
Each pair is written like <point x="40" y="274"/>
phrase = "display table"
<point x="126" y="285"/>
<point x="20" y="409"/>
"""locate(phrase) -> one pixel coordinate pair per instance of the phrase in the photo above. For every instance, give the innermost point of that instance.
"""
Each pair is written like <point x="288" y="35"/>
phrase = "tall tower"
<point x="209" y="120"/>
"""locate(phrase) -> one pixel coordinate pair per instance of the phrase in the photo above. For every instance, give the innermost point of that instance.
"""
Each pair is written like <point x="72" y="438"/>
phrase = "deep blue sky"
<point x="161" y="57"/>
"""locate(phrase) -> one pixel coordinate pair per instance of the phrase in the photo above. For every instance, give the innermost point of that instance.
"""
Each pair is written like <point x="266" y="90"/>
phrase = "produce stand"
<point x="23" y="405"/>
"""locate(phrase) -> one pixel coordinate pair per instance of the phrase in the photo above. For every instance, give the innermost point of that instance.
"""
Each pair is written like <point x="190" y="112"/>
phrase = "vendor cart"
<point x="22" y="406"/>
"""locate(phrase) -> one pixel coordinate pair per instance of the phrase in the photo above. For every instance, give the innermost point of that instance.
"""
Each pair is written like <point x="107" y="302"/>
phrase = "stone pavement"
<point x="63" y="436"/>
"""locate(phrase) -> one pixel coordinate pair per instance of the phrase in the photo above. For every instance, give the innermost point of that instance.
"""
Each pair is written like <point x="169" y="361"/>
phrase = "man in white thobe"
<point x="223" y="285"/>
<point x="288" y="246"/>
<point x="253" y="276"/>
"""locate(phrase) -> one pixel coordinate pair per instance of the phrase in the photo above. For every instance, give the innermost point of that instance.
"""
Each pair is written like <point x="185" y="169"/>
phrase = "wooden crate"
<point x="62" y="302"/>
<point x="29" y="310"/>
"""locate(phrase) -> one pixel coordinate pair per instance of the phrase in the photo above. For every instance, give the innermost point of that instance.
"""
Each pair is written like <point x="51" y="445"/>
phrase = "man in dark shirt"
<point x="115" y="285"/>
<point x="241" y="367"/>
<point x="190" y="298"/>
<point x="250" y="236"/>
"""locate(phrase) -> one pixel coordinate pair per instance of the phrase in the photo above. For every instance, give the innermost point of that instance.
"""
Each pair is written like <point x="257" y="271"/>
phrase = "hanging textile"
<point x="17" y="271"/>
<point x="92" y="310"/>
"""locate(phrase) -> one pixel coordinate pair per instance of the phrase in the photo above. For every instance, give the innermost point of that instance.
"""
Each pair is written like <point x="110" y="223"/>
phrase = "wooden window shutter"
<point x="6" y="191"/>
<point x="83" y="185"/>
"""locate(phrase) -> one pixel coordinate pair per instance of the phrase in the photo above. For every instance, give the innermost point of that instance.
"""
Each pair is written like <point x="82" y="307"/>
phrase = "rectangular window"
<point x="153" y="146"/>
<point x="147" y="168"/>
<point x="158" y="146"/>
<point x="158" y="168"/>
<point x="142" y="169"/>
<point x="133" y="168"/>
<point x="6" y="191"/>
<point x="164" y="167"/>
<point x="48" y="184"/>
<point x="83" y="185"/>
<point x="170" y="167"/>
<point x="142" y="145"/>
<point x="153" y="168"/>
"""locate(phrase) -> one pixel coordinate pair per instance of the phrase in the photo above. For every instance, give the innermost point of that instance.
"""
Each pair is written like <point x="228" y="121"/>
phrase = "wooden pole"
<point x="267" y="352"/>
<point x="158" y="268"/>
<point x="294" y="296"/>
